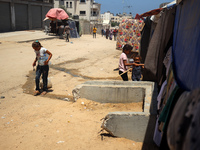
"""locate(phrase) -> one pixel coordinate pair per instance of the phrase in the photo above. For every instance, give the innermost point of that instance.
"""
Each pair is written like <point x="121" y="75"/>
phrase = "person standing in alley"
<point x="94" y="32"/>
<point x="107" y="33"/>
<point x="115" y="34"/>
<point x="67" y="31"/>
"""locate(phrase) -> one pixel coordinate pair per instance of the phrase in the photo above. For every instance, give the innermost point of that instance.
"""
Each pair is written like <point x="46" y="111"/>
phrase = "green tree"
<point x="113" y="24"/>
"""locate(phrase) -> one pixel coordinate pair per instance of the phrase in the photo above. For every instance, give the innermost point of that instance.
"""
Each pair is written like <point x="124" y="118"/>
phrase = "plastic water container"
<point x="49" y="83"/>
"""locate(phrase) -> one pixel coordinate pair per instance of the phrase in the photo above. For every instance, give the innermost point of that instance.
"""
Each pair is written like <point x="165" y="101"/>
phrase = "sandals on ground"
<point x="44" y="93"/>
<point x="36" y="93"/>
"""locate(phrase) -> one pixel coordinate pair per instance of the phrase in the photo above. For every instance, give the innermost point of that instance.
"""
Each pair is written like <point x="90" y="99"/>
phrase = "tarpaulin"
<point x="152" y="12"/>
<point x="186" y="45"/>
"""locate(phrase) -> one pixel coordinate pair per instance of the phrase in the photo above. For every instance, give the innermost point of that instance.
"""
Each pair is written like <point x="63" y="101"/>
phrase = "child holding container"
<point x="42" y="57"/>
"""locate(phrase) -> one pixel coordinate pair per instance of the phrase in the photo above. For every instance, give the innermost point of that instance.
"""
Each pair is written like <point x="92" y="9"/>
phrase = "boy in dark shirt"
<point x="137" y="70"/>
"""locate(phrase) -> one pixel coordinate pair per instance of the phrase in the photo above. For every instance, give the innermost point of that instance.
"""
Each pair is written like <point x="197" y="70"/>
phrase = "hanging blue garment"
<point x="186" y="45"/>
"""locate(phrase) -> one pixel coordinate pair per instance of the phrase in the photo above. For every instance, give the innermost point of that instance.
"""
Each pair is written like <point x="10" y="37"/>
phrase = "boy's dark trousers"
<point x="44" y="71"/>
<point x="94" y="35"/>
<point x="67" y="37"/>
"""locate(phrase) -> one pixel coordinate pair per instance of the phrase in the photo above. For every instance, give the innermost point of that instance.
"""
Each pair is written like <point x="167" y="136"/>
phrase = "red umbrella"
<point x="56" y="13"/>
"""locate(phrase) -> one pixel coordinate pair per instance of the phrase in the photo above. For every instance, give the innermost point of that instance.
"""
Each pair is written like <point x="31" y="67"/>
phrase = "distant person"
<point x="102" y="32"/>
<point x="115" y="33"/>
<point x="123" y="62"/>
<point x="67" y="31"/>
<point x="94" y="31"/>
<point x="42" y="57"/>
<point x="107" y="33"/>
<point x="111" y="34"/>
<point x="137" y="70"/>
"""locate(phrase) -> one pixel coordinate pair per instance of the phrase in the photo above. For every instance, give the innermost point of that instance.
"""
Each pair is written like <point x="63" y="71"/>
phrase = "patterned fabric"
<point x="129" y="33"/>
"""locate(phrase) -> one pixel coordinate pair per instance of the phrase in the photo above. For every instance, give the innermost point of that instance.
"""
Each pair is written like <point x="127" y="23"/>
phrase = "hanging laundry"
<point x="183" y="129"/>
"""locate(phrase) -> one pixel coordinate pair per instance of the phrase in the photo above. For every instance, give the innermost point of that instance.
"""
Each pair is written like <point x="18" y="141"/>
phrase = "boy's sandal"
<point x="36" y="93"/>
<point x="44" y="93"/>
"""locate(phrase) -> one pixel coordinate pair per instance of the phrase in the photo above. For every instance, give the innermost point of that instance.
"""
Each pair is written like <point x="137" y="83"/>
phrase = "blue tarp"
<point x="186" y="45"/>
<point x="74" y="32"/>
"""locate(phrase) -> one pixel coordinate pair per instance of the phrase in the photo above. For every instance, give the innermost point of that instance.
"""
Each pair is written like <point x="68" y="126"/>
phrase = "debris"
<point x="50" y="120"/>
<point x="2" y="97"/>
<point x="66" y="99"/>
<point x="60" y="142"/>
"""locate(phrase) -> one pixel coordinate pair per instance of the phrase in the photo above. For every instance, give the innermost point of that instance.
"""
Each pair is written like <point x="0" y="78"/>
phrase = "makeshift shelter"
<point x="56" y="14"/>
<point x="129" y="33"/>
<point x="172" y="60"/>
<point x="186" y="45"/>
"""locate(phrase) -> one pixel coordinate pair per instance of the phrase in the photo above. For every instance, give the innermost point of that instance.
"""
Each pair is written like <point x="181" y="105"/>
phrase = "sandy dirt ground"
<point x="54" y="121"/>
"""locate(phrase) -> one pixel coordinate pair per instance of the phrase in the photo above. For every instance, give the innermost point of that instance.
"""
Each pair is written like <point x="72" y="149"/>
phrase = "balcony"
<point x="94" y="18"/>
<point x="96" y="6"/>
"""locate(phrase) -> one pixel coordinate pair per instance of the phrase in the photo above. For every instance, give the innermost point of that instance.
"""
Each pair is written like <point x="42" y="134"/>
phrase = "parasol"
<point x="56" y="14"/>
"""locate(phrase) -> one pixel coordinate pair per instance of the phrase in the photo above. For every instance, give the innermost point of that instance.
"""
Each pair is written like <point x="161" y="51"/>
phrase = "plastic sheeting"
<point x="74" y="32"/>
<point x="186" y="45"/>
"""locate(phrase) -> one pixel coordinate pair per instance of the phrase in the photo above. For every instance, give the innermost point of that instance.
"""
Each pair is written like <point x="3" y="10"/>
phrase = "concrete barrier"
<point x="131" y="125"/>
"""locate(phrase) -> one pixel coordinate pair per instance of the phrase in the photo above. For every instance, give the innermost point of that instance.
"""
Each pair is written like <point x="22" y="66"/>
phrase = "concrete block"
<point x="113" y="94"/>
<point x="130" y="125"/>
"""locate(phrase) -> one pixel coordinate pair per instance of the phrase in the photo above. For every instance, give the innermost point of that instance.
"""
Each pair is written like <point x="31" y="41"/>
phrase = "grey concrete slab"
<point x="130" y="125"/>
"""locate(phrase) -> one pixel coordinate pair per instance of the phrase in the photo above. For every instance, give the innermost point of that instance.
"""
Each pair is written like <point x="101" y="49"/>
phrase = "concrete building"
<point x="108" y="17"/>
<point x="23" y="15"/>
<point x="86" y="9"/>
<point x="119" y="17"/>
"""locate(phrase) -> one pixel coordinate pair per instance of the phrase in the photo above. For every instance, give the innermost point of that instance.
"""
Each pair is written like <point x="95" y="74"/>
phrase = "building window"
<point x="82" y="13"/>
<point x="67" y="4"/>
<point x="70" y="4"/>
<point x="82" y="1"/>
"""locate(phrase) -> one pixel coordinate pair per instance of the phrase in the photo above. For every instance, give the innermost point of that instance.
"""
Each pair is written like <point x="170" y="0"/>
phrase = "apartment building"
<point x="119" y="17"/>
<point x="108" y="17"/>
<point x="86" y="9"/>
